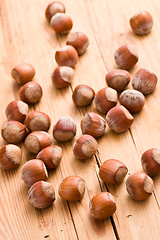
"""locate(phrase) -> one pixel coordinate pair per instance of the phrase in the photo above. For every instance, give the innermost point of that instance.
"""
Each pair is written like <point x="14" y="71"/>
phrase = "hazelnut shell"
<point x="113" y="171"/>
<point x="85" y="147"/>
<point x="51" y="156"/>
<point x="10" y="157"/>
<point x="139" y="186"/>
<point x="105" y="99"/>
<point x="30" y="93"/>
<point x="41" y="194"/>
<point x="118" y="79"/>
<point x="151" y="162"/>
<point x="23" y="73"/>
<point x="53" y="8"/>
<point x="102" y="205"/>
<point x="83" y="95"/>
<point x="16" y="111"/>
<point x="37" y="121"/>
<point x="119" y="119"/>
<point x="66" y="56"/>
<point x="93" y="124"/>
<point x="72" y="188"/>
<point x="126" y="57"/>
<point x="37" y="140"/>
<point x="79" y="41"/>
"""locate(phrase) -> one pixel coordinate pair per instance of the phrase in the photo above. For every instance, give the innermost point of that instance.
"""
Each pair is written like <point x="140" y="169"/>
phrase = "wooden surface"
<point x="25" y="36"/>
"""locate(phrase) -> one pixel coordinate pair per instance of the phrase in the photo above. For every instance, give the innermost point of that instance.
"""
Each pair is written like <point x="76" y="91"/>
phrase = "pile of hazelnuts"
<point x="33" y="127"/>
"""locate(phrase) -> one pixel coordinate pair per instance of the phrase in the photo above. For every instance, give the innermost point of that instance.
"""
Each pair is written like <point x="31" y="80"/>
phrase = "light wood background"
<point x="25" y="36"/>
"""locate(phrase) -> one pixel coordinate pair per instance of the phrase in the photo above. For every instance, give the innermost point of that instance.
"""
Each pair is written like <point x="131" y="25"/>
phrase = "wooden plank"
<point x="133" y="220"/>
<point x="18" y="217"/>
<point x="27" y="37"/>
<point x="36" y="44"/>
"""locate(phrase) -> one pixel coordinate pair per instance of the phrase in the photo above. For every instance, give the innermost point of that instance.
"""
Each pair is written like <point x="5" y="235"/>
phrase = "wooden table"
<point x="25" y="36"/>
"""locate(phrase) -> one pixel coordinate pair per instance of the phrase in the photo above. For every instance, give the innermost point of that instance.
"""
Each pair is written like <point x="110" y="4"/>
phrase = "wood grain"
<point x="27" y="37"/>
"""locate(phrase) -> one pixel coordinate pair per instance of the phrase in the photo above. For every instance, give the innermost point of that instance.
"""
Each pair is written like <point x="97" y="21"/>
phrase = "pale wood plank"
<point x="51" y="221"/>
<point x="116" y="15"/>
<point x="18" y="217"/>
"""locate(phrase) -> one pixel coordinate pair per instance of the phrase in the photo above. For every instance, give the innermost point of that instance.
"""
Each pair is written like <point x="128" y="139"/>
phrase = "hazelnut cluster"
<point x="76" y="44"/>
<point x="33" y="127"/>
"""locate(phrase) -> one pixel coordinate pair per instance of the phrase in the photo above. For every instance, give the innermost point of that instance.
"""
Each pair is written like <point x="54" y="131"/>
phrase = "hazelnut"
<point x="72" y="188"/>
<point x="53" y="8"/>
<point x="93" y="124"/>
<point x="113" y="171"/>
<point x="126" y="57"/>
<point x="61" y="23"/>
<point x="102" y="205"/>
<point x="118" y="79"/>
<point x="37" y="121"/>
<point x="132" y="100"/>
<point x="105" y="99"/>
<point x="151" y="161"/>
<point x="10" y="157"/>
<point x="65" y="129"/>
<point x="139" y="186"/>
<point x="119" y="119"/>
<point x="62" y="76"/>
<point x="79" y="41"/>
<point x="85" y="147"/>
<point x="23" y="73"/>
<point x="33" y="171"/>
<point x="13" y="132"/>
<point x="144" y="81"/>
<point x="30" y="93"/>
<point x="37" y="140"/>
<point x="41" y="194"/>
<point x="83" y="95"/>
<point x="16" y="111"/>
<point x="51" y="156"/>
<point x="141" y="23"/>
<point x="66" y="56"/>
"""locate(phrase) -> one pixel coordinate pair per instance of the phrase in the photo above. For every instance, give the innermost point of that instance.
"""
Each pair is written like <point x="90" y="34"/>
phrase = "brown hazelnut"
<point x="93" y="124"/>
<point x="23" y="73"/>
<point x="65" y="129"/>
<point x="119" y="119"/>
<point x="144" y="81"/>
<point x="62" y="76"/>
<point x="37" y="121"/>
<point x="151" y="161"/>
<point x="118" y="79"/>
<point x="13" y="132"/>
<point x="41" y="194"/>
<point x="83" y="95"/>
<point x="30" y="93"/>
<point x="105" y="99"/>
<point x="33" y="171"/>
<point x="53" y="8"/>
<point x="126" y="57"/>
<point x="66" y="56"/>
<point x="10" y="157"/>
<point x="133" y="100"/>
<point x="79" y="41"/>
<point x="113" y="171"/>
<point x="37" y="140"/>
<point x="141" y="23"/>
<point x="85" y="147"/>
<point x="61" y="23"/>
<point x="139" y="186"/>
<point x="51" y="156"/>
<point x="72" y="188"/>
<point x="16" y="111"/>
<point x="102" y="205"/>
